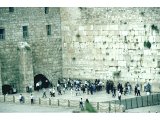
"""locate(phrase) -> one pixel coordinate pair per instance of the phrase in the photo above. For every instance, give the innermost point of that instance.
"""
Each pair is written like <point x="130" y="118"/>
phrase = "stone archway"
<point x="43" y="80"/>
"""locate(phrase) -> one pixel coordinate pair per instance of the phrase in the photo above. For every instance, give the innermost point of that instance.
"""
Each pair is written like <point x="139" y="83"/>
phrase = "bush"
<point x="155" y="28"/>
<point x="147" y="44"/>
<point x="90" y="108"/>
<point x="117" y="74"/>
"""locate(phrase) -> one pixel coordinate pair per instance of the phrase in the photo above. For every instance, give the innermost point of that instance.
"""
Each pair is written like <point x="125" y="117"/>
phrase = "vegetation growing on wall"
<point x="125" y="39"/>
<point x="147" y="44"/>
<point x="78" y="36"/>
<point x="82" y="8"/>
<point x="73" y="58"/>
<point x="155" y="28"/>
<point x="116" y="74"/>
<point x="142" y="13"/>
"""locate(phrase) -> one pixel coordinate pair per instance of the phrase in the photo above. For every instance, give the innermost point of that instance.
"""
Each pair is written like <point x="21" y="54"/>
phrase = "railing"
<point x="109" y="106"/>
<point x="141" y="101"/>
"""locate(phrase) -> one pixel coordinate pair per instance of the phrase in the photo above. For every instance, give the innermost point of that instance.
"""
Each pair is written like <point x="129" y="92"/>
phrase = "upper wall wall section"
<point x="98" y="43"/>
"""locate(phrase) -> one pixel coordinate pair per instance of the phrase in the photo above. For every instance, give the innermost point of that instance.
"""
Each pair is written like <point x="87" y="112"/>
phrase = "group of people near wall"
<point x="87" y="86"/>
<point x="78" y="87"/>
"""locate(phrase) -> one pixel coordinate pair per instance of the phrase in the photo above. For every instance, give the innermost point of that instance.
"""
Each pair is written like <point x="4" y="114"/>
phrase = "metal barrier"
<point x="141" y="101"/>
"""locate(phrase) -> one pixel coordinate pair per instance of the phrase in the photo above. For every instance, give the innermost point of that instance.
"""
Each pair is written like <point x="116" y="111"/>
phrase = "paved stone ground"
<point x="97" y="97"/>
<point x="152" y="109"/>
<point x="21" y="108"/>
<point x="101" y="96"/>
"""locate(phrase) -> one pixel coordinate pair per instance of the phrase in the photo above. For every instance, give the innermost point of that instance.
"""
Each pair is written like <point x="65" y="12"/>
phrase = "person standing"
<point x="31" y="97"/>
<point x="50" y="91"/>
<point x="81" y="104"/>
<point x="119" y="96"/>
<point x="135" y="90"/>
<point x="71" y="92"/>
<point x="30" y="88"/>
<point x="20" y="98"/>
<point x="129" y="88"/>
<point x="53" y="92"/>
<point x="37" y="86"/>
<point x="138" y="91"/>
<point x="76" y="91"/>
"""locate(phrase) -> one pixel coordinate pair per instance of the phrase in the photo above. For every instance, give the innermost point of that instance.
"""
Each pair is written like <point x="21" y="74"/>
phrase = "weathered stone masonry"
<point x="98" y="42"/>
<point x="0" y="80"/>
<point x="45" y="49"/>
<point x="85" y="43"/>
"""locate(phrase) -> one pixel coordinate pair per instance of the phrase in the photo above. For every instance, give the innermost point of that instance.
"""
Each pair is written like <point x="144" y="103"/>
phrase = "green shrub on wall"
<point x="147" y="44"/>
<point x="116" y="73"/>
<point x="154" y="27"/>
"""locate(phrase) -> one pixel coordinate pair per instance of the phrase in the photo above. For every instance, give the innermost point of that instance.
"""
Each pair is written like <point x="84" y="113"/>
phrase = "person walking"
<point x="135" y="90"/>
<point x="31" y="97"/>
<point x="44" y="93"/>
<point x="114" y="91"/>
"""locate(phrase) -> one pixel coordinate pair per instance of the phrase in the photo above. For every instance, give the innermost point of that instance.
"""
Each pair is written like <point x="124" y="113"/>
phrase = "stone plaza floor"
<point x="149" y="109"/>
<point x="101" y="96"/>
<point x="23" y="108"/>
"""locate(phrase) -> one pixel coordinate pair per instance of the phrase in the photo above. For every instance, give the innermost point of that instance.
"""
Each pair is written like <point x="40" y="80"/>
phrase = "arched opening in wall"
<point x="40" y="81"/>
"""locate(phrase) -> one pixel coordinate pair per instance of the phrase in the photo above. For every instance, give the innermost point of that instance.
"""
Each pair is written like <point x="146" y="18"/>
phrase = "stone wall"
<point x="111" y="43"/>
<point x="85" y="43"/>
<point x="0" y="79"/>
<point x="46" y="49"/>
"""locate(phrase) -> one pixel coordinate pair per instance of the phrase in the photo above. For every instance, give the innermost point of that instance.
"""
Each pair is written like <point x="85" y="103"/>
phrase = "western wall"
<point x="119" y="44"/>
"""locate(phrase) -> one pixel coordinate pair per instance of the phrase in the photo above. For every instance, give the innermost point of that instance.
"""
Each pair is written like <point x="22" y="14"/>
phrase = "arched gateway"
<point x="42" y="80"/>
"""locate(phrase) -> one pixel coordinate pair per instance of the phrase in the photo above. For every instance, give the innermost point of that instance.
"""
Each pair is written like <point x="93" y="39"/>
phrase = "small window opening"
<point x="2" y="34"/>
<point x="46" y="10"/>
<point x="48" y="27"/>
<point x="25" y="31"/>
<point x="11" y="9"/>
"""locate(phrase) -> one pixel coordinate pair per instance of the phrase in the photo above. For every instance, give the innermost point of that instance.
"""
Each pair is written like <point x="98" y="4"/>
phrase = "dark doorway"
<point x="8" y="89"/>
<point x="43" y="81"/>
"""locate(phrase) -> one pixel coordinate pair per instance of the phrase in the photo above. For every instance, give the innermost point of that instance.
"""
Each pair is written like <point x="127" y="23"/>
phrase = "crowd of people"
<point x="78" y="87"/>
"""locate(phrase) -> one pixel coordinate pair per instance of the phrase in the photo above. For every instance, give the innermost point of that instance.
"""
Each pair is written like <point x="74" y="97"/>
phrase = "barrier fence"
<point x="109" y="106"/>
